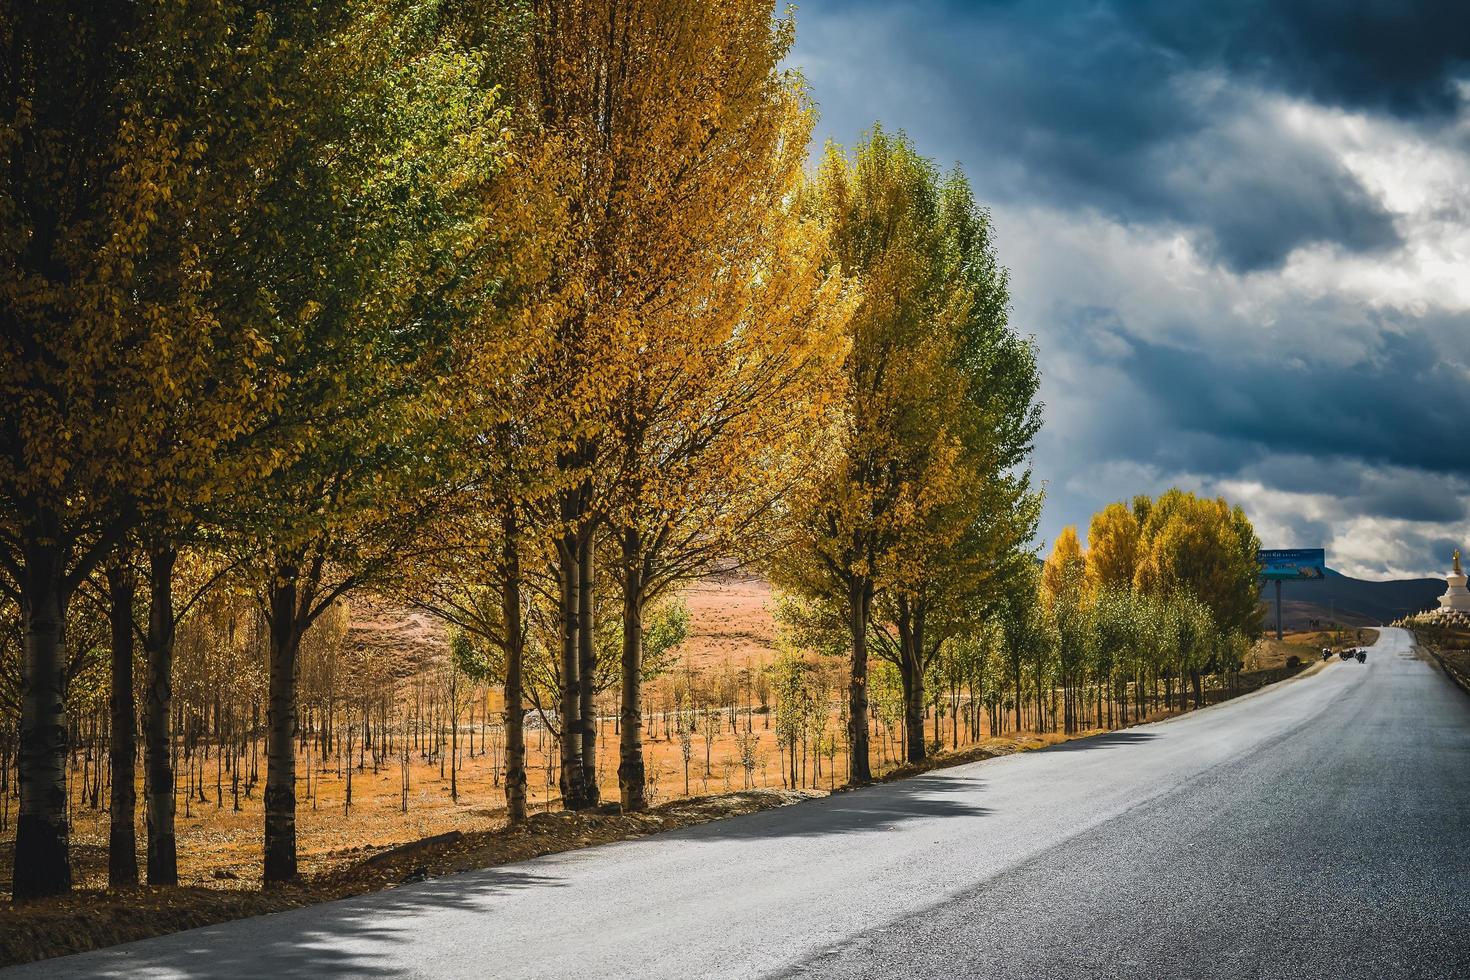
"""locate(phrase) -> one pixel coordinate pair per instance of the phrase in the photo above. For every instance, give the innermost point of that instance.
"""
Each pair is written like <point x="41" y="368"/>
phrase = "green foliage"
<point x="665" y="628"/>
<point x="664" y="631"/>
<point x="796" y="706"/>
<point x="923" y="509"/>
<point x="811" y="624"/>
<point x="1117" y="626"/>
<point x="480" y="665"/>
<point x="929" y="493"/>
<point x="885" y="693"/>
<point x="1030" y="635"/>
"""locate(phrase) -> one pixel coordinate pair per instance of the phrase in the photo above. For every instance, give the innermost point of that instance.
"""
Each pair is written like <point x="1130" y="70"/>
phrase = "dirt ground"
<point x="730" y="622"/>
<point x="1306" y="645"/>
<point x="219" y="846"/>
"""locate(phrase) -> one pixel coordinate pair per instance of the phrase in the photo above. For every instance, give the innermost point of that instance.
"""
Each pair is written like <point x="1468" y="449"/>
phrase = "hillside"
<point x="1353" y="601"/>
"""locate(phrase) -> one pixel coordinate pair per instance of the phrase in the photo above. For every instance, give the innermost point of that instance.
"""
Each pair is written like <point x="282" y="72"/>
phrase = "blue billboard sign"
<point x="1292" y="564"/>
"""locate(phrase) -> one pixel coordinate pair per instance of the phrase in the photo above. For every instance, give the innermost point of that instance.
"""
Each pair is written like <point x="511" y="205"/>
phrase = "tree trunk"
<point x="587" y="661"/>
<point x="515" y="708"/>
<point x="912" y="682"/>
<point x="911" y="669"/>
<point x="280" y="749"/>
<point x="573" y="792"/>
<point x="858" y="599"/>
<point x="1040" y="703"/>
<point x="1016" y="671"/>
<point x="122" y="837"/>
<point x="630" y="738"/>
<point x="453" y="736"/>
<point x="42" y="853"/>
<point x="158" y="771"/>
<point x="1066" y="679"/>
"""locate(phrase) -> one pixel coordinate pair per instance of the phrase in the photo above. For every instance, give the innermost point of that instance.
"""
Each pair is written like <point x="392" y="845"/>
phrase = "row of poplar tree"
<point x="500" y="307"/>
<point x="1166" y="596"/>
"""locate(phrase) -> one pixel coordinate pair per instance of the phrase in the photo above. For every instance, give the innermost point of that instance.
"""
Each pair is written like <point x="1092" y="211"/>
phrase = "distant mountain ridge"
<point x="1352" y="601"/>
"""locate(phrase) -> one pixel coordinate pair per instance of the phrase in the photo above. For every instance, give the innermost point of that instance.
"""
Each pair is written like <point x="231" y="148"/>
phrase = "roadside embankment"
<point x="1450" y="648"/>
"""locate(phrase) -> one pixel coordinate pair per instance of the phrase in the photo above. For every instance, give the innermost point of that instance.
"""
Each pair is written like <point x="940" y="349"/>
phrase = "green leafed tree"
<point x="923" y="501"/>
<point x="365" y="255"/>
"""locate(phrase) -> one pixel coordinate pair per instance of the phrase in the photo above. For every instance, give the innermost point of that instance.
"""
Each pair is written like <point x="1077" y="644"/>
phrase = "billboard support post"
<point x="1278" y="609"/>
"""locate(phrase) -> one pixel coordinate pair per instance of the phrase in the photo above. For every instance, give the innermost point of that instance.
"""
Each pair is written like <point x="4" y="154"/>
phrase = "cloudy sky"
<point x="1240" y="233"/>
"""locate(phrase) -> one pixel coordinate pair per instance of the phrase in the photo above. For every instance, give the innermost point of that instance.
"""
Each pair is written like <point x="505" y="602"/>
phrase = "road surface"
<point x="1315" y="829"/>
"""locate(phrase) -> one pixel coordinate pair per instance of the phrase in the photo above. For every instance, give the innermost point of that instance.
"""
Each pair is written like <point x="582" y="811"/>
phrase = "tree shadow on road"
<point x="1107" y="740"/>
<point x="880" y="807"/>
<point x="353" y="937"/>
<point x="887" y="806"/>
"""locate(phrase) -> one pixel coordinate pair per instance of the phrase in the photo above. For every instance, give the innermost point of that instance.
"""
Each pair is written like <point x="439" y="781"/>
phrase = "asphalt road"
<point x="1316" y="829"/>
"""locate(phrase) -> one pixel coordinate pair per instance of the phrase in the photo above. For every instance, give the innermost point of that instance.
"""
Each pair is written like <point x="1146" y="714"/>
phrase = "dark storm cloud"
<point x="1412" y="500"/>
<point x="1404" y="407"/>
<point x="1391" y="492"/>
<point x="1149" y="112"/>
<point x="1256" y="195"/>
<point x="1221" y="404"/>
<point x="1387" y="55"/>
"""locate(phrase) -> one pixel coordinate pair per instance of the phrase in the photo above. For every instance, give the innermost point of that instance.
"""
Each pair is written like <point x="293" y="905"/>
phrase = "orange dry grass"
<point x="221" y="847"/>
<point x="730" y="623"/>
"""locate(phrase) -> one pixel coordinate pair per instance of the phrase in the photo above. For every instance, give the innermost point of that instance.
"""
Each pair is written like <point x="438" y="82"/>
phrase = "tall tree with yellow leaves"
<point x="573" y="80"/>
<point x="693" y="305"/>
<point x="733" y="321"/>
<point x="1065" y="598"/>
<point x="1207" y="548"/>
<point x="472" y="570"/>
<point x="1113" y="540"/>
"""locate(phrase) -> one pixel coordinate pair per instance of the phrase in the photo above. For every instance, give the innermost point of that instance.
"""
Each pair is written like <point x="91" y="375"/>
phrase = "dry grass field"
<point x="220" y="845"/>
<point x="730" y="622"/>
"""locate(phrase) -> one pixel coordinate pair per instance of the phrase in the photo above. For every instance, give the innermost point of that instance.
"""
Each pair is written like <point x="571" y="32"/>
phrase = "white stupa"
<point x="1457" y="599"/>
<point x="1454" y="605"/>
